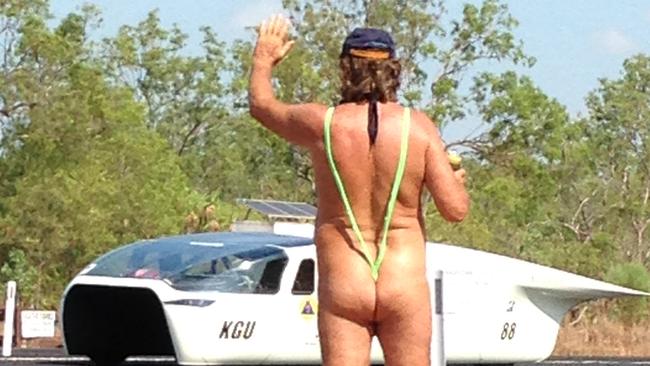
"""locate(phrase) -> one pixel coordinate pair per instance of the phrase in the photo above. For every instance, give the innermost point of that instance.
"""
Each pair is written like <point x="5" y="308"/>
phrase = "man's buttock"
<point x="345" y="281"/>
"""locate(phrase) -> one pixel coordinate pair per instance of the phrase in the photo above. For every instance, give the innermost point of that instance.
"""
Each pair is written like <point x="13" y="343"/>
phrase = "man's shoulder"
<point x="421" y="121"/>
<point x="316" y="107"/>
<point x="309" y="112"/>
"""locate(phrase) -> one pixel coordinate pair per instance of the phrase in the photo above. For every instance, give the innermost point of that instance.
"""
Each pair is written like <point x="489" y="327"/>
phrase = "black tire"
<point x="108" y="360"/>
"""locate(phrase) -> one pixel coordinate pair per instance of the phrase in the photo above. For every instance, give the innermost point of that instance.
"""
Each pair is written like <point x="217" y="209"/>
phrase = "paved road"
<point x="56" y="357"/>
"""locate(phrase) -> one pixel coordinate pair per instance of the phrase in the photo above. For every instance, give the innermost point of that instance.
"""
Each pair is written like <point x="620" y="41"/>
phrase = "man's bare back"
<point x="353" y="307"/>
<point x="348" y="293"/>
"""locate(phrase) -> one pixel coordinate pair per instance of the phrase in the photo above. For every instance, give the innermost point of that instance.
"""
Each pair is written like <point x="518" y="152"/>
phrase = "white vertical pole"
<point x="10" y="308"/>
<point x="437" y="341"/>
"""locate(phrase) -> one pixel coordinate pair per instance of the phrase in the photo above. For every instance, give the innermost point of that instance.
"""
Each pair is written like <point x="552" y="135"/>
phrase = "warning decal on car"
<point x="309" y="308"/>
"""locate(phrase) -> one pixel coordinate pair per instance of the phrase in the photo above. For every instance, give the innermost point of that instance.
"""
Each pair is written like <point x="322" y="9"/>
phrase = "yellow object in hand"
<point x="454" y="159"/>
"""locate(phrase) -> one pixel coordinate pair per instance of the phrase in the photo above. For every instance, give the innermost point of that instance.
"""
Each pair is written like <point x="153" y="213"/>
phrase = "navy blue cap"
<point x="368" y="39"/>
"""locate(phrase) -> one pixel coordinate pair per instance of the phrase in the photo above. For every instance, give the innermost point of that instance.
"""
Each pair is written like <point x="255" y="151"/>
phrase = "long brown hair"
<point x="369" y="80"/>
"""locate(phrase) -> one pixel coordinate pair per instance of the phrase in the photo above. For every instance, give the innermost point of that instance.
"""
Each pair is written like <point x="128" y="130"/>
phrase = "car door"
<point x="300" y="313"/>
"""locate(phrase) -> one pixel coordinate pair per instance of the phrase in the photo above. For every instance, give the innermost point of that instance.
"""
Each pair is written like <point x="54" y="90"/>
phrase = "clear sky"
<point x="576" y="42"/>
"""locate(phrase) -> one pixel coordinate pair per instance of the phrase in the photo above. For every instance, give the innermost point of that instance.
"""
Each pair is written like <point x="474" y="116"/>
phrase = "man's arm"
<point x="446" y="185"/>
<point x="298" y="123"/>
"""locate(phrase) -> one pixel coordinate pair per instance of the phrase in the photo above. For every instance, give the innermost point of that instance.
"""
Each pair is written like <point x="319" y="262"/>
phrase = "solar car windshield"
<point x="195" y="266"/>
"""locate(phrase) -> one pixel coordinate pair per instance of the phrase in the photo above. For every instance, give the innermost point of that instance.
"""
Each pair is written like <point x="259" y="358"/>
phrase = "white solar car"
<point x="250" y="298"/>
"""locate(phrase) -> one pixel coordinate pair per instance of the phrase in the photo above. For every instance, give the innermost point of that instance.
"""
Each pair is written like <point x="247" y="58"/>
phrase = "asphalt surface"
<point x="56" y="357"/>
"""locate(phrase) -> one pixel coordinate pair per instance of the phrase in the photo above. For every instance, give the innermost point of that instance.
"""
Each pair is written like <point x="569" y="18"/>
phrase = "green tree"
<point x="632" y="275"/>
<point x="619" y="149"/>
<point x="86" y="174"/>
<point x="17" y="268"/>
<point x="184" y="95"/>
<point x="512" y="165"/>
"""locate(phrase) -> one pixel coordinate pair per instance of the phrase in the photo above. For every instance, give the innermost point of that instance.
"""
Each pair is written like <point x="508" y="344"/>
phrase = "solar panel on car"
<point x="277" y="209"/>
<point x="264" y="208"/>
<point x="298" y="209"/>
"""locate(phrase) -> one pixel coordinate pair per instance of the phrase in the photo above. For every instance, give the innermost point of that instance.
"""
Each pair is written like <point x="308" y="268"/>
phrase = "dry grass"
<point x="597" y="335"/>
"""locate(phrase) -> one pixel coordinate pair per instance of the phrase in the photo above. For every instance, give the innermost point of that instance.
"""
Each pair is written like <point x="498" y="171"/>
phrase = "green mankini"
<point x="399" y="174"/>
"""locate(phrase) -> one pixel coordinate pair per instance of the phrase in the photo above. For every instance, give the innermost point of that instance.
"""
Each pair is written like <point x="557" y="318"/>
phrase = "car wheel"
<point x="113" y="360"/>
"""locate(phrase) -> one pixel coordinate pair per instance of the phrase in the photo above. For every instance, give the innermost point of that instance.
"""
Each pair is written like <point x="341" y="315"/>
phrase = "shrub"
<point x="632" y="275"/>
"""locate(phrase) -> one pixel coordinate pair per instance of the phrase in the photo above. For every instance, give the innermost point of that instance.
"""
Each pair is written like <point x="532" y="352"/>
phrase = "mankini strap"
<point x="399" y="174"/>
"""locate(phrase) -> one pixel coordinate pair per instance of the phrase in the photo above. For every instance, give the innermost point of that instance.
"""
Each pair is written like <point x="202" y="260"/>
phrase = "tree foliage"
<point x="84" y="173"/>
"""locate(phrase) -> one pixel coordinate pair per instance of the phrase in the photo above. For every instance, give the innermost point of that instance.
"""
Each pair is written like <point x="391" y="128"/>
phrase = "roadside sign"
<point x="37" y="323"/>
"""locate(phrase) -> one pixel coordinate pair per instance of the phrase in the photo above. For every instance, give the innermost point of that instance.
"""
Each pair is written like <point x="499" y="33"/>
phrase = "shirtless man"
<point x="366" y="140"/>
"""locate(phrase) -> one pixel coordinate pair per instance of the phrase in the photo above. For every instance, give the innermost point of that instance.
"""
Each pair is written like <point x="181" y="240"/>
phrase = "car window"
<point x="235" y="273"/>
<point x="304" y="283"/>
<point x="234" y="268"/>
<point x="269" y="282"/>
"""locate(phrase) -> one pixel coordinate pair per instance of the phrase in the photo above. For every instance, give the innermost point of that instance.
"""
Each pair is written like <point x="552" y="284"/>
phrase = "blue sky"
<point x="576" y="42"/>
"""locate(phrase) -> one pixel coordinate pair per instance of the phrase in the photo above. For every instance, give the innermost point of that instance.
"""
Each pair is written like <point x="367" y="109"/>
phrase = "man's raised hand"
<point x="273" y="43"/>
